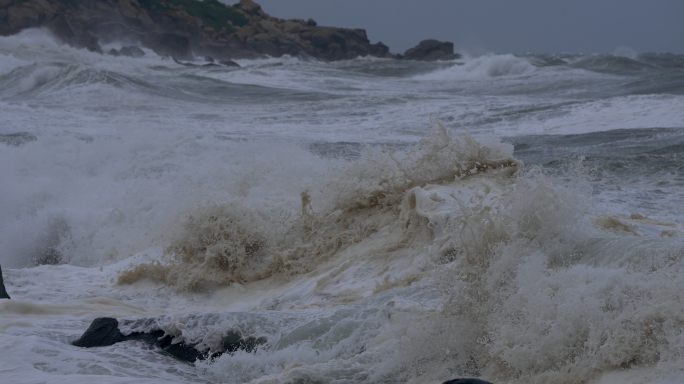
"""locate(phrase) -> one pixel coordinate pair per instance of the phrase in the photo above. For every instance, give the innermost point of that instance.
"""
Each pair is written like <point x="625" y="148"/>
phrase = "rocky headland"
<point x="184" y="29"/>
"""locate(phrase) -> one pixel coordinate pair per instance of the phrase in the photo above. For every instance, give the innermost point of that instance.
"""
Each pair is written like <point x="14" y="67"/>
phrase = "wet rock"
<point x="229" y="63"/>
<point x="87" y="41"/>
<point x="431" y="50"/>
<point x="3" y="291"/>
<point x="267" y="47"/>
<point x="186" y="64"/>
<point x="105" y="331"/>
<point x="61" y="28"/>
<point x="311" y="22"/>
<point x="466" y="381"/>
<point x="132" y="51"/>
<point x="170" y="44"/>
<point x="245" y="54"/>
<point x="101" y="333"/>
<point x="113" y="52"/>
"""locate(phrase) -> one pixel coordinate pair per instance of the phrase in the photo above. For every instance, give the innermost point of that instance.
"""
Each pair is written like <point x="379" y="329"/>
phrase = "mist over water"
<point x="512" y="217"/>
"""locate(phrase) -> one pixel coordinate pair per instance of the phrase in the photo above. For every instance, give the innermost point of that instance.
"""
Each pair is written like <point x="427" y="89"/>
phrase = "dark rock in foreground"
<point x="466" y="381"/>
<point x="432" y="50"/>
<point x="3" y="291"/>
<point x="105" y="331"/>
<point x="102" y="332"/>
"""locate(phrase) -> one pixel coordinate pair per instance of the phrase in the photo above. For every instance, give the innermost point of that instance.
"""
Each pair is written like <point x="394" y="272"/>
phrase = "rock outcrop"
<point x="131" y="51"/>
<point x="432" y="50"/>
<point x="105" y="331"/>
<point x="3" y="291"/>
<point x="186" y="28"/>
<point x="466" y="381"/>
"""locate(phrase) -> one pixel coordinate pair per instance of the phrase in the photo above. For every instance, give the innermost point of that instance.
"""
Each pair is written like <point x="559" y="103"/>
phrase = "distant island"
<point x="185" y="29"/>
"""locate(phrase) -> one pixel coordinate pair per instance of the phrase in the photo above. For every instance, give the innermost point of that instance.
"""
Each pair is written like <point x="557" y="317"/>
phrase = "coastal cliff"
<point x="185" y="29"/>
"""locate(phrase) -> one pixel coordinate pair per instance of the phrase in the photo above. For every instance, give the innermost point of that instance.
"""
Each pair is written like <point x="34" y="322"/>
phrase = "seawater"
<point x="511" y="217"/>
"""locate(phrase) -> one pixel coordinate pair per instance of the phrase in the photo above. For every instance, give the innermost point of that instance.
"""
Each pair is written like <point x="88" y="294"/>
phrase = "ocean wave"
<point x="443" y="259"/>
<point x="227" y="244"/>
<point x="533" y="288"/>
<point x="9" y="63"/>
<point x="625" y="112"/>
<point x="46" y="81"/>
<point x="484" y="67"/>
<point x="618" y="65"/>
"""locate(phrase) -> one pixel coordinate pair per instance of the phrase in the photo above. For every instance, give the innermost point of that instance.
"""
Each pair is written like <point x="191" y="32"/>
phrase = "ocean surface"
<point x="514" y="217"/>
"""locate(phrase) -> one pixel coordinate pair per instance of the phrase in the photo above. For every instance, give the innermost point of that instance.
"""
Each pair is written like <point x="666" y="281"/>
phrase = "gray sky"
<point x="503" y="26"/>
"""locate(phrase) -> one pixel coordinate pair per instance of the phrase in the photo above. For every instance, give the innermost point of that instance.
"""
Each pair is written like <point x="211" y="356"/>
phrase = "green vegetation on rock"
<point x="213" y="13"/>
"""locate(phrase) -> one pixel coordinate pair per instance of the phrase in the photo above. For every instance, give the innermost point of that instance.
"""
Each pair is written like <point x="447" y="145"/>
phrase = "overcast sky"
<point x="503" y="26"/>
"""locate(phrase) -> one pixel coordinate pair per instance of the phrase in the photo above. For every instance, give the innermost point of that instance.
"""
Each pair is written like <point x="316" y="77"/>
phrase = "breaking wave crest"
<point x="534" y="293"/>
<point x="534" y="287"/>
<point x="229" y="243"/>
<point x="484" y="67"/>
<point x="446" y="259"/>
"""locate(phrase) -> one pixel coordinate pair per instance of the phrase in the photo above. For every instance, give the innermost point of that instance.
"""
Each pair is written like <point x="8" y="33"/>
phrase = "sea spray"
<point x="229" y="243"/>
<point x="525" y="301"/>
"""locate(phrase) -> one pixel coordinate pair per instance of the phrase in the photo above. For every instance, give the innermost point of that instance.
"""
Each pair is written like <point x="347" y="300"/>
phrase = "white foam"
<point x="522" y="242"/>
<point x="113" y="197"/>
<point x="624" y="51"/>
<point x="483" y="67"/>
<point x="435" y="262"/>
<point x="625" y="112"/>
<point x="9" y="62"/>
